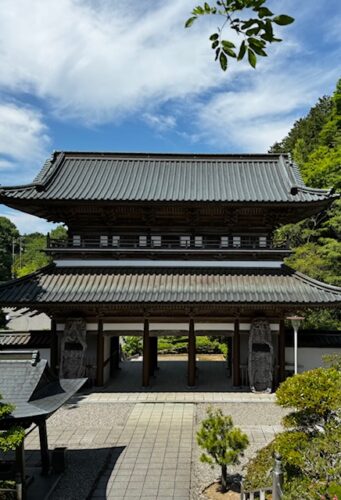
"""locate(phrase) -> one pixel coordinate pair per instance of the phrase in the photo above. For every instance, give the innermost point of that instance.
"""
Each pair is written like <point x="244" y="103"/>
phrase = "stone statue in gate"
<point x="73" y="347"/>
<point x="260" y="365"/>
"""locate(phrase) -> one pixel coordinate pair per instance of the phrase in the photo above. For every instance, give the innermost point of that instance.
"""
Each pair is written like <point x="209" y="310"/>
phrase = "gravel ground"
<point x="86" y="460"/>
<point x="99" y="415"/>
<point x="243" y="415"/>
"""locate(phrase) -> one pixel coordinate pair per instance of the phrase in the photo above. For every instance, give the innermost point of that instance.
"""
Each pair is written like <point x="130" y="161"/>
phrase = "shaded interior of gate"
<point x="106" y="367"/>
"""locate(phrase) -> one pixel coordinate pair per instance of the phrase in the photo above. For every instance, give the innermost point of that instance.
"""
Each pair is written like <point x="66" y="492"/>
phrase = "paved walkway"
<point x="156" y="462"/>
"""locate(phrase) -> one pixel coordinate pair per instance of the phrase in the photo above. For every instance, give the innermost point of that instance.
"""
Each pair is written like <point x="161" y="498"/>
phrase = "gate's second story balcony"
<point x="188" y="246"/>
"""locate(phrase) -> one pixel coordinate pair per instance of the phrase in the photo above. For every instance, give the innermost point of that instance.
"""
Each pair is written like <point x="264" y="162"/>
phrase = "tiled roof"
<point x="167" y="178"/>
<point x="185" y="285"/>
<point x="27" y="340"/>
<point x="31" y="387"/>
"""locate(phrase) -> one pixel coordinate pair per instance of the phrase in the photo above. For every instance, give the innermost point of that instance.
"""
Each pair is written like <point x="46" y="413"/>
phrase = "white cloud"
<point x="160" y="122"/>
<point x="23" y="135"/>
<point x="24" y="141"/>
<point x="27" y="223"/>
<point x="261" y="111"/>
<point x="6" y="164"/>
<point x="99" y="61"/>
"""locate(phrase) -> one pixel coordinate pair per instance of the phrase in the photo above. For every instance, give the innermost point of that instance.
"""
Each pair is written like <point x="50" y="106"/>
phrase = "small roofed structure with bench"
<point x="27" y="382"/>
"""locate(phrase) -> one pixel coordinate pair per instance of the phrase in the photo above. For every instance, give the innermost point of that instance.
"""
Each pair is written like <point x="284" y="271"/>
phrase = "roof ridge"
<point x="27" y="276"/>
<point x="177" y="154"/>
<point x="308" y="279"/>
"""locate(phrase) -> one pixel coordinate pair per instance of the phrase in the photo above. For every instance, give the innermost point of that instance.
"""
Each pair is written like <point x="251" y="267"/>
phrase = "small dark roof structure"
<point x="315" y="338"/>
<point x="25" y="340"/>
<point x="112" y="285"/>
<point x="27" y="382"/>
<point x="136" y="177"/>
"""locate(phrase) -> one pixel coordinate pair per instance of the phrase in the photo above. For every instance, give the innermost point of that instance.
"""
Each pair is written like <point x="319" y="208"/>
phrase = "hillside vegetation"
<point x="315" y="144"/>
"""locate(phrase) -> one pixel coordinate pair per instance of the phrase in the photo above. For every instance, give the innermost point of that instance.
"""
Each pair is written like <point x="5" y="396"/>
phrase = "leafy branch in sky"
<point x="256" y="32"/>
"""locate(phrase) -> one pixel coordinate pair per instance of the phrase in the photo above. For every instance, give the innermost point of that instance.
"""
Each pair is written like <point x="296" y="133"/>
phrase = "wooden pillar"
<point x="236" y="354"/>
<point x="44" y="449"/>
<point x="281" y="351"/>
<point x="191" y="354"/>
<point x="146" y="354"/>
<point x="153" y="355"/>
<point x="54" y="361"/>
<point x="100" y="354"/>
<point x="229" y="356"/>
<point x="20" y="474"/>
<point x="114" y="354"/>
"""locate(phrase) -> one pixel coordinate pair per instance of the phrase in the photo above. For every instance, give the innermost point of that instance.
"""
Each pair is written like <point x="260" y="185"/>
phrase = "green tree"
<point x="315" y="144"/>
<point x="305" y="132"/>
<point x="310" y="446"/>
<point x="223" y="443"/>
<point x="11" y="438"/>
<point x="8" y="231"/>
<point x="33" y="256"/>
<point x="256" y="32"/>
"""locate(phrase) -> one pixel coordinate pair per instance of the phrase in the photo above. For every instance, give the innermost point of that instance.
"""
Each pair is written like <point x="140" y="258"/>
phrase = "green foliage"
<point x="332" y="360"/>
<point x="314" y="394"/>
<point x="223" y="443"/>
<point x="259" y="469"/>
<point x="177" y="345"/>
<point x="132" y="346"/>
<point x="32" y="256"/>
<point x="310" y="446"/>
<point x="12" y="437"/>
<point x="257" y="31"/>
<point x="305" y="132"/>
<point x="8" y="231"/>
<point x="315" y="144"/>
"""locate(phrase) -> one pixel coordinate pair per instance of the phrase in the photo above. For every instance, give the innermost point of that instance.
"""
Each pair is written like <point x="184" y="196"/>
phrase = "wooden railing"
<point x="163" y="243"/>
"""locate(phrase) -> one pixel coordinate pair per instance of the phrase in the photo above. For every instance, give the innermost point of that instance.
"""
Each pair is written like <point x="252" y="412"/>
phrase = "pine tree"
<point x="223" y="442"/>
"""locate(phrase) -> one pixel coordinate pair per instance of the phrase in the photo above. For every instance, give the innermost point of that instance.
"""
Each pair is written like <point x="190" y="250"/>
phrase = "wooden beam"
<point x="153" y="354"/>
<point x="236" y="354"/>
<point x="281" y="351"/>
<point x="100" y="354"/>
<point x="20" y="474"/>
<point x="191" y="354"/>
<point x="44" y="449"/>
<point x="114" y="354"/>
<point x="146" y="354"/>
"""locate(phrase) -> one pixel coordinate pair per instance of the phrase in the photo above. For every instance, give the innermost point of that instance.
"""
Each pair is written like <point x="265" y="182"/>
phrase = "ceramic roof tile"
<point x="157" y="285"/>
<point x="167" y="178"/>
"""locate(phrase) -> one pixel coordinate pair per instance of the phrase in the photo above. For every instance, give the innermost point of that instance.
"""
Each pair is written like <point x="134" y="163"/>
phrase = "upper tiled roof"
<point x="55" y="285"/>
<point x="167" y="178"/>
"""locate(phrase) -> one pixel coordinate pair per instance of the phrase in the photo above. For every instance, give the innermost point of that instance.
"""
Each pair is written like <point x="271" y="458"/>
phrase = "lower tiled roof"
<point x="128" y="285"/>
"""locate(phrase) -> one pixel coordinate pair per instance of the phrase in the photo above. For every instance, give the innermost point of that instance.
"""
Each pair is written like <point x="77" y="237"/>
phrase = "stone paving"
<point x="156" y="462"/>
<point x="141" y="444"/>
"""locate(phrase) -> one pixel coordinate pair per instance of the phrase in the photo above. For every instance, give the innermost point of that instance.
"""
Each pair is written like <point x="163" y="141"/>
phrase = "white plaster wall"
<point x="308" y="357"/>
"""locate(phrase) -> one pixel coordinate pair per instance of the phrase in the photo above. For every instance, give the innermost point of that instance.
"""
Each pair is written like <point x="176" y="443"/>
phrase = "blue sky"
<point x="126" y="76"/>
